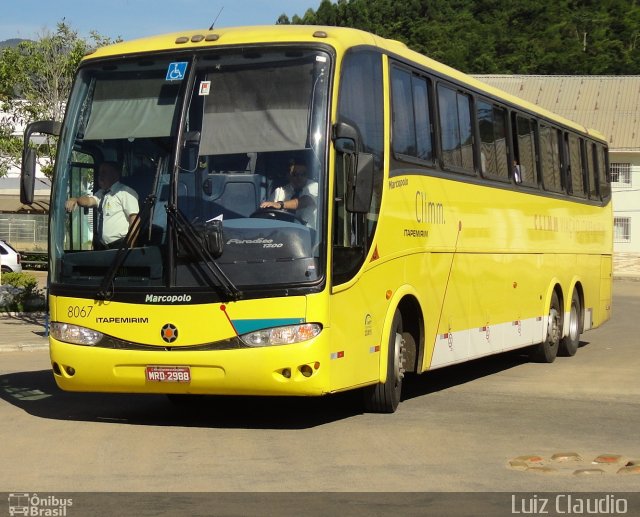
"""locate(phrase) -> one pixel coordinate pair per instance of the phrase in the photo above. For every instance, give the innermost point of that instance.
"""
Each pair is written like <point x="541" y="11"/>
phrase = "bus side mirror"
<point x="358" y="168"/>
<point x="28" y="176"/>
<point x="28" y="168"/>
<point x="360" y="184"/>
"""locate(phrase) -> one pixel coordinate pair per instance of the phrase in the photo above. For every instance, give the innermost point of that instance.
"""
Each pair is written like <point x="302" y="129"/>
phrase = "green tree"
<point x="502" y="36"/>
<point x="35" y="82"/>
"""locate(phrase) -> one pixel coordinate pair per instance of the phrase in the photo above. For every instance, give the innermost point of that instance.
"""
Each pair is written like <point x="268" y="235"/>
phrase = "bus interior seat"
<point x="140" y="183"/>
<point x="232" y="195"/>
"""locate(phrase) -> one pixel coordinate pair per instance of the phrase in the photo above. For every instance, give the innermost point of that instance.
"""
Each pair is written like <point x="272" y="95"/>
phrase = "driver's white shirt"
<point x="121" y="202"/>
<point x="307" y="214"/>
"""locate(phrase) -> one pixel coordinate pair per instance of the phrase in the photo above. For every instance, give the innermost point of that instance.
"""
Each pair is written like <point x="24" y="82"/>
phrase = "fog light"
<point x="306" y="370"/>
<point x="71" y="371"/>
<point x="286" y="373"/>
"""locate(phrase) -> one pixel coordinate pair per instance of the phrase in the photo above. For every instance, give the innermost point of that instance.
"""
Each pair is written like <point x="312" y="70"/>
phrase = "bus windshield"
<point x="195" y="144"/>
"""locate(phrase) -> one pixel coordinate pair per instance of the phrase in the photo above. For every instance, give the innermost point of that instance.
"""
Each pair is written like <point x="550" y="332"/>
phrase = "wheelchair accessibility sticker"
<point x="176" y="71"/>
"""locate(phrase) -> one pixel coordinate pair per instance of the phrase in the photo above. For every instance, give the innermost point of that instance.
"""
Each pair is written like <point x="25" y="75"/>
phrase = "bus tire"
<point x="385" y="397"/>
<point x="570" y="342"/>
<point x="547" y="351"/>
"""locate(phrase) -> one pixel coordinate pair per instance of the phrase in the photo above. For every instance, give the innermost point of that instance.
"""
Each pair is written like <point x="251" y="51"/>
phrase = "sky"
<point x="130" y="19"/>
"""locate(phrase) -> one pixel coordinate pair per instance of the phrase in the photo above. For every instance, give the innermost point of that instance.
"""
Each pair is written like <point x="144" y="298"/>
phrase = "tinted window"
<point x="404" y="127"/>
<point x="550" y="159"/>
<point x="576" y="166"/>
<point x="525" y="149"/>
<point x="411" y="117"/>
<point x="493" y="141"/>
<point x="455" y="126"/>
<point x="603" y="173"/>
<point x="592" y="171"/>
<point x="424" y="138"/>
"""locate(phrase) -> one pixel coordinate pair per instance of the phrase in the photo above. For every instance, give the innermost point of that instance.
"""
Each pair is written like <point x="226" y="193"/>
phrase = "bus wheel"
<point x="547" y="351"/>
<point x="569" y="343"/>
<point x="385" y="397"/>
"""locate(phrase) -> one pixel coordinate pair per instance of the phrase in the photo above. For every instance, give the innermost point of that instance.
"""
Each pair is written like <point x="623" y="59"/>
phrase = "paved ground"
<point x="23" y="331"/>
<point x="626" y="265"/>
<point x="471" y="427"/>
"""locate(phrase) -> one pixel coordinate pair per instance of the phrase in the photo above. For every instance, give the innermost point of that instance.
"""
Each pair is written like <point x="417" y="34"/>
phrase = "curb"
<point x="24" y="347"/>
<point x="34" y="314"/>
<point x="633" y="277"/>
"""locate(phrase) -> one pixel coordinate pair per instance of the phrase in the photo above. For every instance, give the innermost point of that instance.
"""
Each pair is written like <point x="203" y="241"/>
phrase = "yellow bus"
<point x="444" y="219"/>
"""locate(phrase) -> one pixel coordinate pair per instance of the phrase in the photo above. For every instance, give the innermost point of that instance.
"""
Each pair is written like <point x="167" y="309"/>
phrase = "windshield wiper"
<point x="201" y="251"/>
<point x="105" y="291"/>
<point x="142" y="219"/>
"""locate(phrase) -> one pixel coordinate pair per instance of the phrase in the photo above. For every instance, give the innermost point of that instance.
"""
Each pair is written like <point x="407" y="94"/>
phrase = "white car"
<point x="10" y="259"/>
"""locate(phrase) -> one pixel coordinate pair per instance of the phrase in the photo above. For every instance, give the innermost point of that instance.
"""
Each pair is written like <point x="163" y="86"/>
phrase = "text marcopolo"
<point x="167" y="298"/>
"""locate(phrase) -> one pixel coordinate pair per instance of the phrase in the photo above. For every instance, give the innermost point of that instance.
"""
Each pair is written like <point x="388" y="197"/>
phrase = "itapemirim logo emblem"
<point x="169" y="333"/>
<point x="33" y="505"/>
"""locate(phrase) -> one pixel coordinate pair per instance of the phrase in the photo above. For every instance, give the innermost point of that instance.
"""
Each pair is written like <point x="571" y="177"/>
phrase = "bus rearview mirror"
<point x="28" y="176"/>
<point x="359" y="182"/>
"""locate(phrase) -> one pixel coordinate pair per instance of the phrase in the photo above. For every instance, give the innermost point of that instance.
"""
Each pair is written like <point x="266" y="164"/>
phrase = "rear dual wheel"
<point x="569" y="344"/>
<point x="547" y="351"/>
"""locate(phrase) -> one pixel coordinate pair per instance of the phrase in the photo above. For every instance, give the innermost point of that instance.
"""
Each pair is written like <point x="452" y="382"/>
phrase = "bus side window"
<point x="604" y="177"/>
<point x="79" y="232"/>
<point x="493" y="140"/>
<point x="412" y="136"/>
<point x="525" y="149"/>
<point x="576" y="179"/>
<point x="550" y="159"/>
<point x="455" y="129"/>
<point x="591" y="171"/>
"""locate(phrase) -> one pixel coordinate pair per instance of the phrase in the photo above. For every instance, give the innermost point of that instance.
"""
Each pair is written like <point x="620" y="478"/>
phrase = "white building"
<point x="24" y="226"/>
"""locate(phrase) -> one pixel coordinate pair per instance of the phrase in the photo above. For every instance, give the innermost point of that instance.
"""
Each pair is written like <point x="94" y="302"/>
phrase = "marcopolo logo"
<point x="167" y="298"/>
<point x="38" y="506"/>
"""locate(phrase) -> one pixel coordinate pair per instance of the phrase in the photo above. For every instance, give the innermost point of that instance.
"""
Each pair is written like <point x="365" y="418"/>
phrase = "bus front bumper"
<point x="276" y="370"/>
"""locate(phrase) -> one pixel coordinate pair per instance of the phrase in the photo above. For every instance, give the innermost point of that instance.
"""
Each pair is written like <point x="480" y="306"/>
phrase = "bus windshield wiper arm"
<point x="140" y="222"/>
<point x="106" y="287"/>
<point x="187" y="231"/>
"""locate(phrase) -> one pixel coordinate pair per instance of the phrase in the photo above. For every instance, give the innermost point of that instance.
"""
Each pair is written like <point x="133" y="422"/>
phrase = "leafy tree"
<point x="35" y="82"/>
<point x="502" y="36"/>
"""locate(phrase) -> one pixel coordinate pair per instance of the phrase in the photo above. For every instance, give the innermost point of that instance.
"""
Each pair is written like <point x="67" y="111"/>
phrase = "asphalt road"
<point x="461" y="429"/>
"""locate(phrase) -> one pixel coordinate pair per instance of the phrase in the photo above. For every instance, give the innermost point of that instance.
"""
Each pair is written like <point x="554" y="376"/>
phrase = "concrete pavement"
<point x="626" y="266"/>
<point x="23" y="331"/>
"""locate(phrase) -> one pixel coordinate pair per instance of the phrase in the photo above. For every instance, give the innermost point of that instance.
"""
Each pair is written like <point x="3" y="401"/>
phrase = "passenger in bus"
<point x="298" y="196"/>
<point x="117" y="206"/>
<point x="517" y="172"/>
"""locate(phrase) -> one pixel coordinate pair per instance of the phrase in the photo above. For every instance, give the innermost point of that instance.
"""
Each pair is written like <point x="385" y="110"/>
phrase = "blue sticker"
<point x="176" y="71"/>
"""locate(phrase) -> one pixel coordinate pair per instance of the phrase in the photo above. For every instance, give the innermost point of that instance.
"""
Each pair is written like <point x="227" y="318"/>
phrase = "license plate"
<point x="168" y="374"/>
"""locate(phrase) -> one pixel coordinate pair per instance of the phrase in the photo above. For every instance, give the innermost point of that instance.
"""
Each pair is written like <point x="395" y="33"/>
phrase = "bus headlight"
<point x="74" y="334"/>
<point x="282" y="335"/>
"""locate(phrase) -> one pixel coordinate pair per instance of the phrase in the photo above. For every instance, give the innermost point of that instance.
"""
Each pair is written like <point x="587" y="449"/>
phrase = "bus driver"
<point x="298" y="196"/>
<point x="117" y="207"/>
